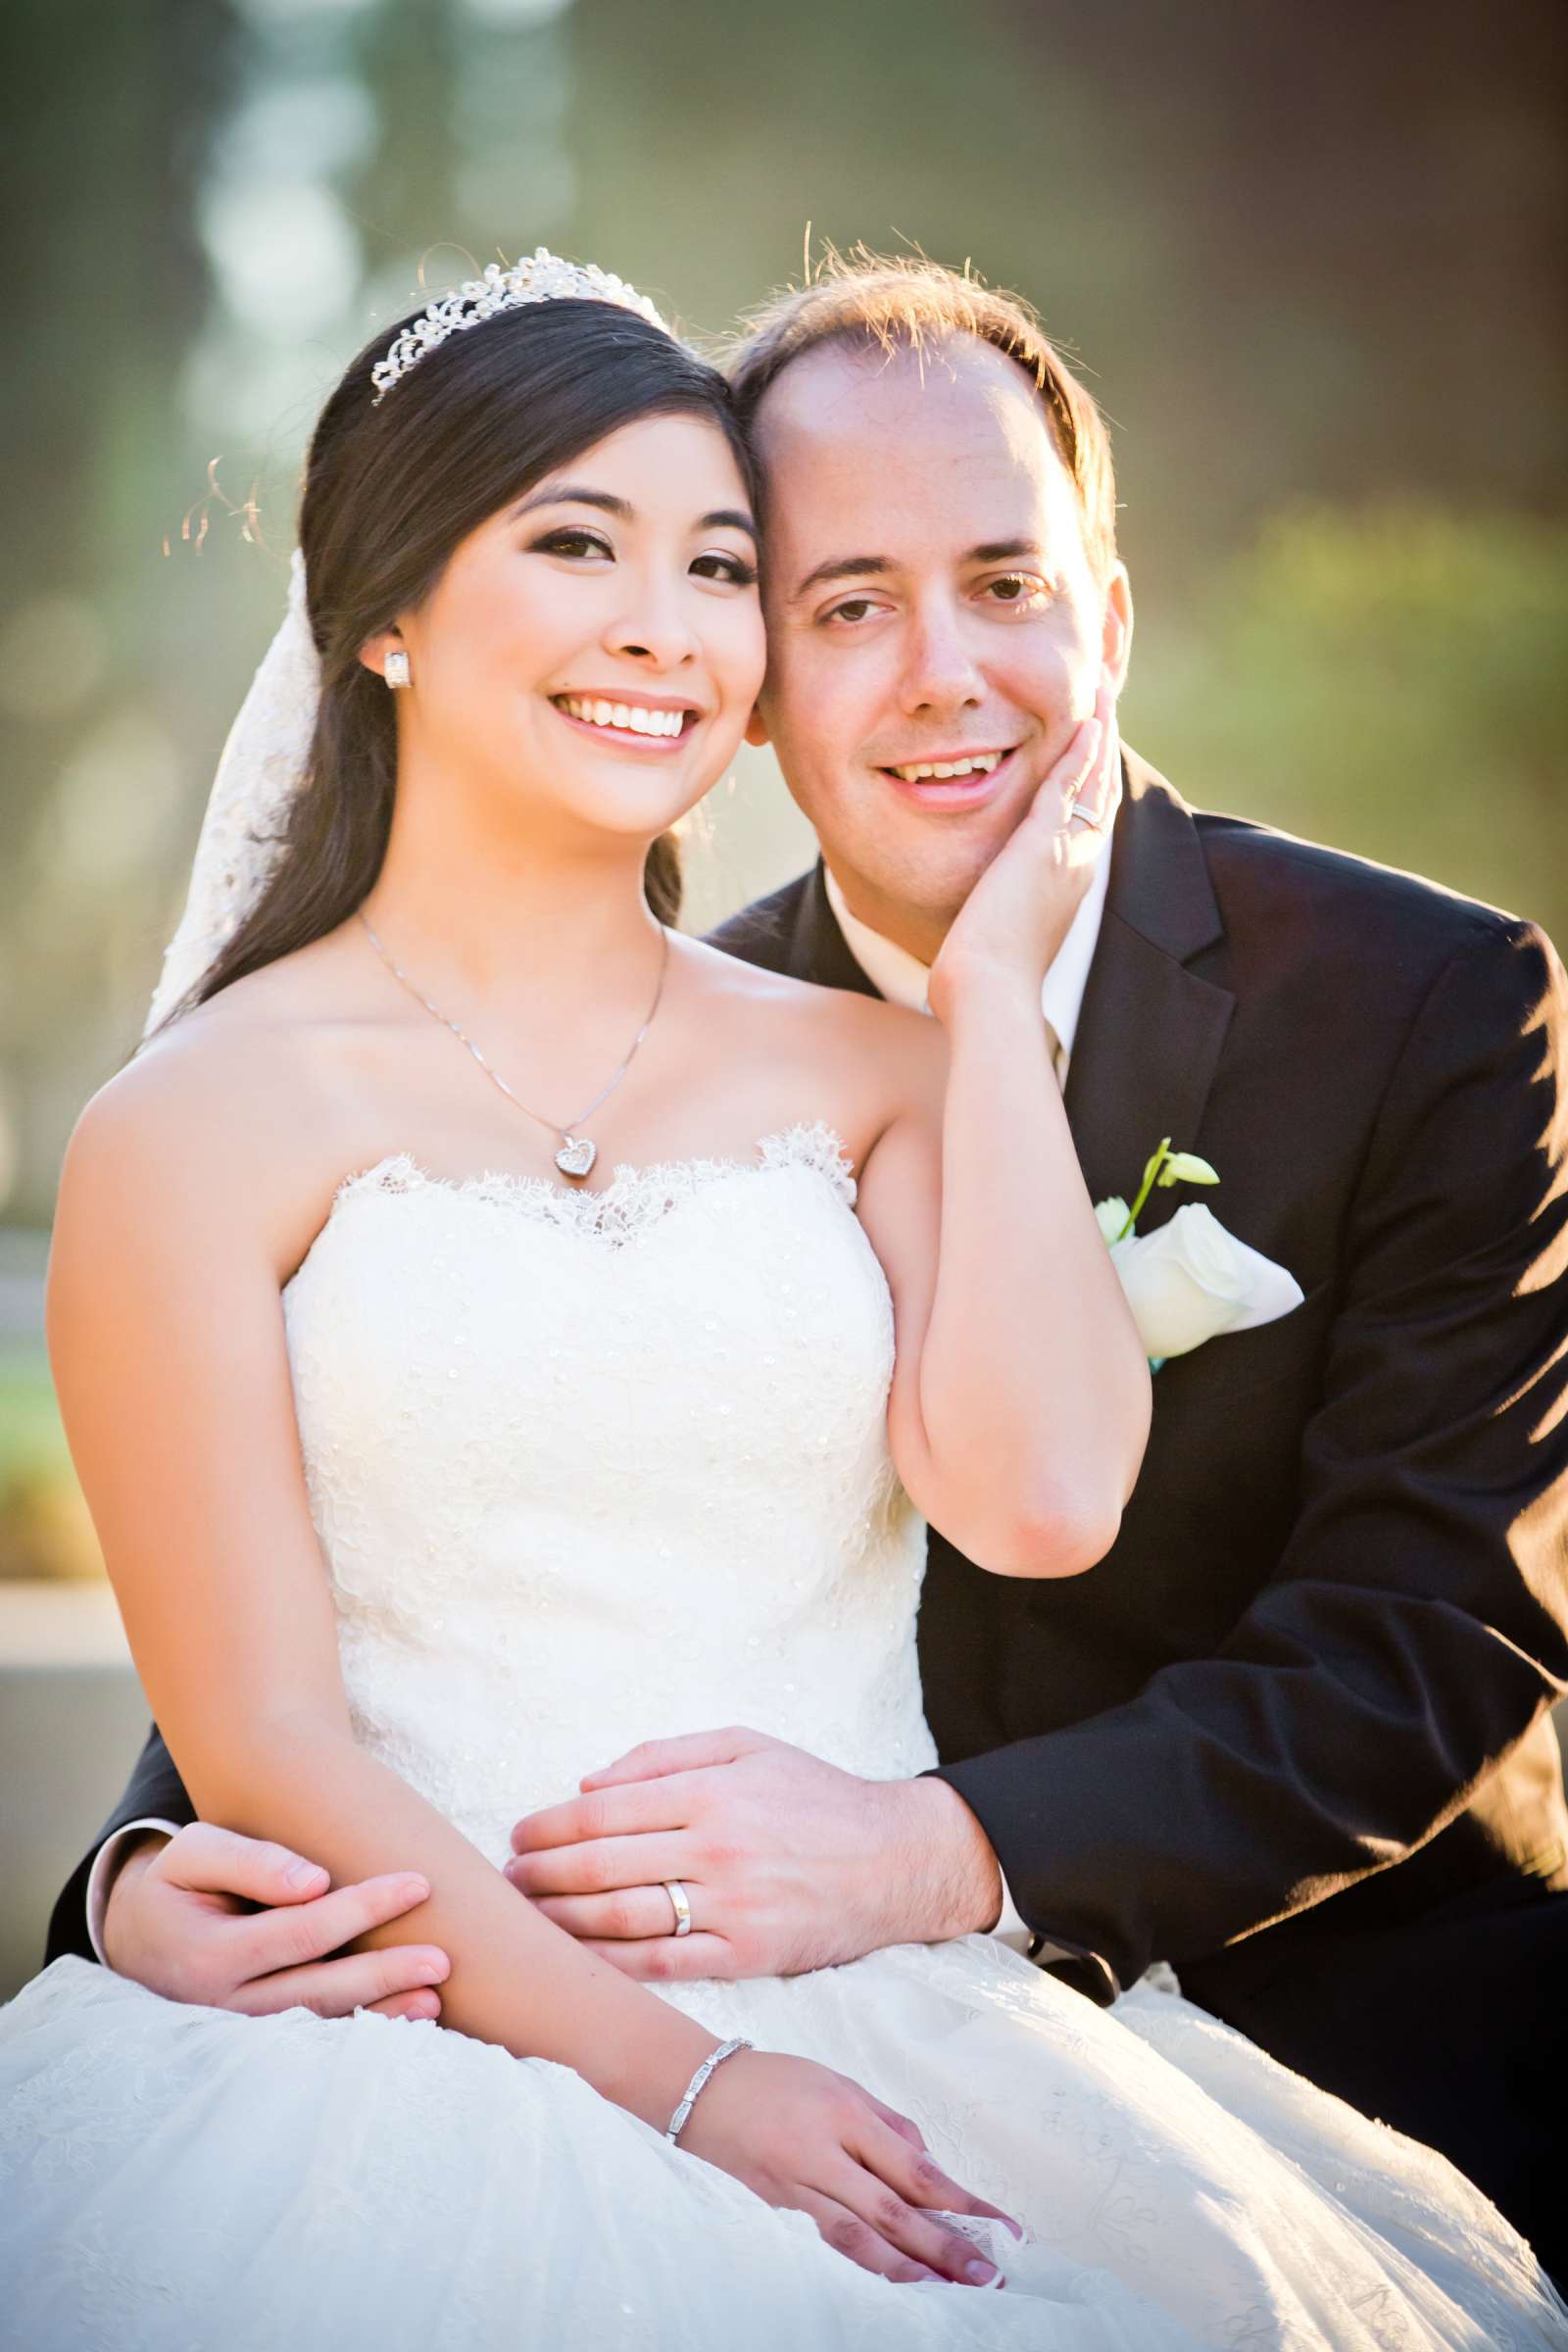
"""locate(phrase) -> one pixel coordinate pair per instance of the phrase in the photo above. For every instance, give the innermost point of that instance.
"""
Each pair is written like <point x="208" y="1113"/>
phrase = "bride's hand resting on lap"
<point x="238" y="1922"/>
<point x="802" y="2137"/>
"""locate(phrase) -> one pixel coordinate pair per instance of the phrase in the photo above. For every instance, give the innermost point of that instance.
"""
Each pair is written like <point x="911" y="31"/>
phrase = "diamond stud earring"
<point x="395" y="669"/>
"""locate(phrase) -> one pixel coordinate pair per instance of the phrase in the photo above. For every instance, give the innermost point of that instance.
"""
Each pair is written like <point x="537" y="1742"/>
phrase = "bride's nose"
<point x="655" y="626"/>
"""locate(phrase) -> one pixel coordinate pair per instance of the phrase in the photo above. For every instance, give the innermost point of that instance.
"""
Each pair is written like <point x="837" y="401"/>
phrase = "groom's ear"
<point x="757" y="727"/>
<point x="1116" y="636"/>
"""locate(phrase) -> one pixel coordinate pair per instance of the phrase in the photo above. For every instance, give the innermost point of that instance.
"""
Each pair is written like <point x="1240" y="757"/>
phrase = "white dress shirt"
<point x="106" y="1863"/>
<point x="902" y="978"/>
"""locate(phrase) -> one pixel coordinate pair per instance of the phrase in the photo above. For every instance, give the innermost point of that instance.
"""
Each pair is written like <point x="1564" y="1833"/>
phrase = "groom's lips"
<point x="957" y="795"/>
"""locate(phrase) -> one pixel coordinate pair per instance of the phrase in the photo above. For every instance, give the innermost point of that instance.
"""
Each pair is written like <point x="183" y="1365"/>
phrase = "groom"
<point x="1290" y="1735"/>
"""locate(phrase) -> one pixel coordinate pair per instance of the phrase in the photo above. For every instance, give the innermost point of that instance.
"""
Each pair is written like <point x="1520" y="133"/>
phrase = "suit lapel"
<point x="818" y="949"/>
<point x="1150" y="1031"/>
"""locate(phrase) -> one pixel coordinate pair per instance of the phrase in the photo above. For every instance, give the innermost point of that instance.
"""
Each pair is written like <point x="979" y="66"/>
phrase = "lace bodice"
<point x="596" y="1467"/>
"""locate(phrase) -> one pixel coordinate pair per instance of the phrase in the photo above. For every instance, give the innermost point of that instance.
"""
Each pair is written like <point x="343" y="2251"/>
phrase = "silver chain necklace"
<point x="577" y="1152"/>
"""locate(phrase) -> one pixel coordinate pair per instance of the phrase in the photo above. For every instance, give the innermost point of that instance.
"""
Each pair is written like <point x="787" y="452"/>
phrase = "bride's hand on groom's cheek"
<point x="787" y="1863"/>
<point x="235" y="1922"/>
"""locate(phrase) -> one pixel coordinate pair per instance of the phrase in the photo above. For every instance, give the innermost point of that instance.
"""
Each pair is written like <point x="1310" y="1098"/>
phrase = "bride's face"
<point x="595" y="649"/>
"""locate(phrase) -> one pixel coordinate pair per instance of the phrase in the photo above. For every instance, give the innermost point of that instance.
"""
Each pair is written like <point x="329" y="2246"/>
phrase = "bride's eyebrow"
<point x="573" y="494"/>
<point x="576" y="494"/>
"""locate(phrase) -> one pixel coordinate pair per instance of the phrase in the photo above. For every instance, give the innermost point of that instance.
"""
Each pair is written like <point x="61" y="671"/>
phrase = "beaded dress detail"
<point x="587" y="1468"/>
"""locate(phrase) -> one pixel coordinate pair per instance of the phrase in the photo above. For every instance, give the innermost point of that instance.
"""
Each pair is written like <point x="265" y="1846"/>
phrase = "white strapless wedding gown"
<point x="588" y="1469"/>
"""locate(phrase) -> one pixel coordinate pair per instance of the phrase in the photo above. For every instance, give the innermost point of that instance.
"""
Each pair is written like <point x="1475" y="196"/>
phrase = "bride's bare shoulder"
<point x="883" y="1049"/>
<point x="229" y="1103"/>
<point x="778" y="993"/>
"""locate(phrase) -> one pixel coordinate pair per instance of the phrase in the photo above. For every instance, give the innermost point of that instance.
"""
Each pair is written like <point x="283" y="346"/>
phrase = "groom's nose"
<point x="939" y="671"/>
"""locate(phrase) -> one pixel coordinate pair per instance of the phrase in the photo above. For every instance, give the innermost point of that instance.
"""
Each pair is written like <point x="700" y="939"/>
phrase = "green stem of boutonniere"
<point x="1157" y="1161"/>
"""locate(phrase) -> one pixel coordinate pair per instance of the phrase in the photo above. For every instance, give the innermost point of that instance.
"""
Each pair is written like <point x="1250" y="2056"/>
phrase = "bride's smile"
<point x="589" y="656"/>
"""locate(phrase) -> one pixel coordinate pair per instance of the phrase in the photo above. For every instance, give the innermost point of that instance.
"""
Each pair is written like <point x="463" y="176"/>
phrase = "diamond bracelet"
<point x="699" y="2084"/>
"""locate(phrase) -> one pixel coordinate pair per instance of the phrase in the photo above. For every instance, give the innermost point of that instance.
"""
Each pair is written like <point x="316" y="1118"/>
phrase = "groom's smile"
<point x="936" y="628"/>
<point x="951" y="780"/>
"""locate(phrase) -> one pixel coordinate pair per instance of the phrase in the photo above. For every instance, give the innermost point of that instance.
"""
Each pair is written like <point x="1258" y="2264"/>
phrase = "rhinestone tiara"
<point x="543" y="277"/>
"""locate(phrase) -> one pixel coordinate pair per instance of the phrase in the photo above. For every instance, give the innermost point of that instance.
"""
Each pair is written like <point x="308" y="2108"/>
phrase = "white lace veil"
<point x="262" y="767"/>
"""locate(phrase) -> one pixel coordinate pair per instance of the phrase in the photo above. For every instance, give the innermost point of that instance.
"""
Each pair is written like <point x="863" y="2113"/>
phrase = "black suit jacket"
<point x="1317" y="1661"/>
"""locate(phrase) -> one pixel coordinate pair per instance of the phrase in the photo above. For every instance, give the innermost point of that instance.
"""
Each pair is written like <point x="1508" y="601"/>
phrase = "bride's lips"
<point x="617" y="731"/>
<point x="956" y="793"/>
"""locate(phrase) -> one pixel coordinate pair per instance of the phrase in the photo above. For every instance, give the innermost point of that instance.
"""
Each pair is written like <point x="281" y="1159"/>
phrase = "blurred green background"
<point x="1312" y="260"/>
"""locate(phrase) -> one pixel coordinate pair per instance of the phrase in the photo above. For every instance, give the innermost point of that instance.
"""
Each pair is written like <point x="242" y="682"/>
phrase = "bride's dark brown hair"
<point x="390" y="491"/>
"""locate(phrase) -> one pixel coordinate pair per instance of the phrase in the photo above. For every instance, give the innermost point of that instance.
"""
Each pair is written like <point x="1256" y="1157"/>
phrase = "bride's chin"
<point x="635" y="822"/>
<point x="647" y="806"/>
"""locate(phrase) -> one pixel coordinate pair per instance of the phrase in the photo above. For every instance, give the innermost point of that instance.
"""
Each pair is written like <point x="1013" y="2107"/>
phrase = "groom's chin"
<point x="938" y="870"/>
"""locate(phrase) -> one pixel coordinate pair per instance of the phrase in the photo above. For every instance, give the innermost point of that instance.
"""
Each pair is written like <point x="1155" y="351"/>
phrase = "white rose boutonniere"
<point x="1192" y="1280"/>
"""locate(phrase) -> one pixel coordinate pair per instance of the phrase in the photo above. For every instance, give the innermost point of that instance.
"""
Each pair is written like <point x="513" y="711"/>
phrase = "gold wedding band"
<point x="679" y="1905"/>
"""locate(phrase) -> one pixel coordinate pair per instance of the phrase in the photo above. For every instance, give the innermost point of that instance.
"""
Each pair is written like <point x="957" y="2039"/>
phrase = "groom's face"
<point x="929" y="602"/>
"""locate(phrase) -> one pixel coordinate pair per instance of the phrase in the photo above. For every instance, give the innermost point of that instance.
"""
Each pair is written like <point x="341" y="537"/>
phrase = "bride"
<point x="593" y="1452"/>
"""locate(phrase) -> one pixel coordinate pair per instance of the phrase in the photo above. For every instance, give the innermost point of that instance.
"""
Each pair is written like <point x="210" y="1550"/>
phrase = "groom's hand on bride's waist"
<point x="786" y="1863"/>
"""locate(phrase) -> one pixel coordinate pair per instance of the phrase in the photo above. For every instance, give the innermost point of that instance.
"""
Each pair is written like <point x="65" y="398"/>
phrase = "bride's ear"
<point x="757" y="727"/>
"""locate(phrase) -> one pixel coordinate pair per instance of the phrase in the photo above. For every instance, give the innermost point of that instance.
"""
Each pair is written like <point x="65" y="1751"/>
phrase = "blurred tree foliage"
<point x="1312" y="260"/>
<point x="1308" y="256"/>
<point x="1391" y="681"/>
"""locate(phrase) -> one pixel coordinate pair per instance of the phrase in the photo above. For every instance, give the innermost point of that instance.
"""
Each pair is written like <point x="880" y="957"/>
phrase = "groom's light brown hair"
<point x="910" y="303"/>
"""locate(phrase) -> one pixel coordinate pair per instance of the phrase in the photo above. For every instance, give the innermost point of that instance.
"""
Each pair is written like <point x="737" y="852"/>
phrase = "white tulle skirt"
<point x="179" y="2180"/>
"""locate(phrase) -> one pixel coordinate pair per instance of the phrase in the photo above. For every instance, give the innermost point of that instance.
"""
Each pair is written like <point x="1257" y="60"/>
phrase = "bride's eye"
<point x="570" y="543"/>
<point x="734" y="570"/>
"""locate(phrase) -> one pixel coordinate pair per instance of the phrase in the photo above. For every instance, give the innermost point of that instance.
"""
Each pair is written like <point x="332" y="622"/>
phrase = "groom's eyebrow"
<point x="843" y="568"/>
<point x="576" y="494"/>
<point x="860" y="568"/>
<point x="1004" y="551"/>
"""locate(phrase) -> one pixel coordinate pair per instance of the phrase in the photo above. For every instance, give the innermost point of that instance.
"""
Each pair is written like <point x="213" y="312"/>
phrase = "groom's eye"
<point x="854" y="609"/>
<point x="1016" y="588"/>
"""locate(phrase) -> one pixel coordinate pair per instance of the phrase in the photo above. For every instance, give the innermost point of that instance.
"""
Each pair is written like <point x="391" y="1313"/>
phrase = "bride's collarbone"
<point x="454" y="1128"/>
<point x="346" y="1094"/>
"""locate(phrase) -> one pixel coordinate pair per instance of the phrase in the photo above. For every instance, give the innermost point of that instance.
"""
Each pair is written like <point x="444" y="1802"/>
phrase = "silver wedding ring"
<point x="1081" y="816"/>
<point x="679" y="1905"/>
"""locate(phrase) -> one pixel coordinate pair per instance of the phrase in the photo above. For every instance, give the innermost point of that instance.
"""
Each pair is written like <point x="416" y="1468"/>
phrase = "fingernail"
<point x="432" y="1968"/>
<point x="414" y="1889"/>
<point x="981" y="2274"/>
<point x="303" y="1874"/>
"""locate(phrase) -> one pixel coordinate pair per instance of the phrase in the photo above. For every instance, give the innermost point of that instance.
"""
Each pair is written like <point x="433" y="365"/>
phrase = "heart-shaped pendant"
<point x="577" y="1155"/>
